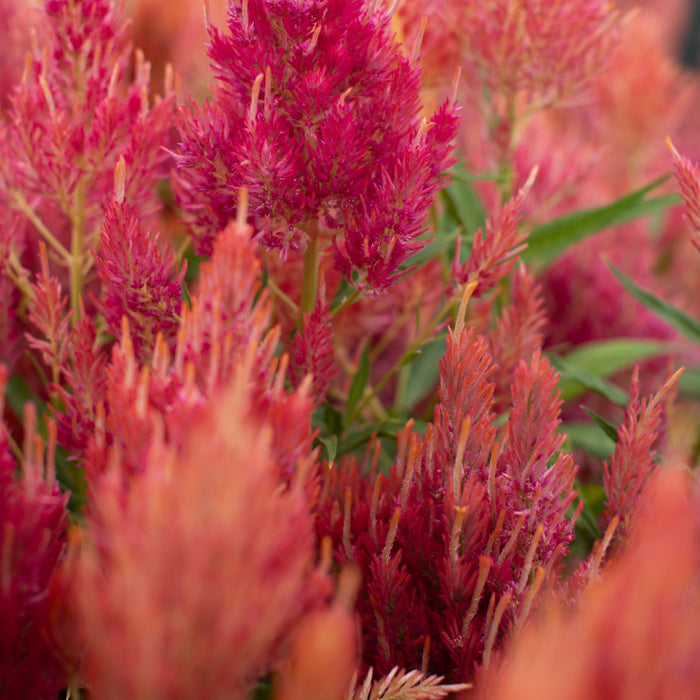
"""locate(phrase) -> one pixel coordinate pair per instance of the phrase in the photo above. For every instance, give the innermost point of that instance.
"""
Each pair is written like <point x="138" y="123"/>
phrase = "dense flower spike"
<point x="71" y="119"/>
<point x="194" y="553"/>
<point x="517" y="332"/>
<point x="634" y="633"/>
<point x="33" y="523"/>
<point x="315" y="111"/>
<point x="494" y="252"/>
<point x="313" y="351"/>
<point x="629" y="468"/>
<point x="467" y="530"/>
<point x="137" y="281"/>
<point x="688" y="179"/>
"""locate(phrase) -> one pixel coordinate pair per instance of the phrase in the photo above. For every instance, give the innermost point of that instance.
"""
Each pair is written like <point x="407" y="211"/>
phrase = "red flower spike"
<point x="137" y="281"/>
<point x="688" y="179"/>
<point x="463" y="538"/>
<point x="33" y="524"/>
<point x="629" y="468"/>
<point x="205" y="549"/>
<point x="313" y="352"/>
<point x="48" y="314"/>
<point x="518" y="331"/>
<point x="494" y="254"/>
<point x="633" y="633"/>
<point x="316" y="112"/>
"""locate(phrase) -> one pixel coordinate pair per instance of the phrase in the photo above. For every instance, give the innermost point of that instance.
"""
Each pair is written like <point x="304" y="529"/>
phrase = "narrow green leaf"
<point x="548" y="241"/>
<point x="603" y="424"/>
<point x="605" y="357"/>
<point x="588" y="436"/>
<point x="331" y="445"/>
<point x="424" y="374"/>
<point x="687" y="325"/>
<point x="359" y="382"/>
<point x="689" y="382"/>
<point x="463" y="203"/>
<point x="575" y="379"/>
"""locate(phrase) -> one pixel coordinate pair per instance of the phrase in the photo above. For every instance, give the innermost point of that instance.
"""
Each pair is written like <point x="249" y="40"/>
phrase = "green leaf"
<point x="687" y="325"/>
<point x="689" y="382"/>
<point x="462" y="203"/>
<point x="550" y="240"/>
<point x="605" y="357"/>
<point x="357" y="387"/>
<point x="575" y="379"/>
<point x="588" y="436"/>
<point x="331" y="445"/>
<point x="603" y="424"/>
<point x="424" y="373"/>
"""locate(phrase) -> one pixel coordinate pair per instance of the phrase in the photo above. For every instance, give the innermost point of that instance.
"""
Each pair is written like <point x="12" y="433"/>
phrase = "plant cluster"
<point x="356" y="378"/>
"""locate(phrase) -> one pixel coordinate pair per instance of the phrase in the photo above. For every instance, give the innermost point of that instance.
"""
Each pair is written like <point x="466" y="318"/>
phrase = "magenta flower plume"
<point x="496" y="250"/>
<point x="316" y="112"/>
<point x="72" y="118"/>
<point x="33" y="524"/>
<point x="688" y="179"/>
<point x="313" y="353"/>
<point x="460" y="540"/>
<point x="200" y="570"/>
<point x="137" y="281"/>
<point x="626" y="474"/>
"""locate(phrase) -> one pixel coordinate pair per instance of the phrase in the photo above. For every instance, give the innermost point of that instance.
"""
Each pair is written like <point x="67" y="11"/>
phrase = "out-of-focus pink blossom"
<point x="199" y="570"/>
<point x="635" y="632"/>
<point x="33" y="524"/>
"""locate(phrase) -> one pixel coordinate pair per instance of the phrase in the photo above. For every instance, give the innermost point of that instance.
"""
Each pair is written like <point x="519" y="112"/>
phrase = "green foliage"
<point x="550" y="240"/>
<point x="687" y="325"/>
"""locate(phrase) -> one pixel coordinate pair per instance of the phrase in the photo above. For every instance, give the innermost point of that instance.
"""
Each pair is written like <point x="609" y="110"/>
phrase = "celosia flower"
<point x="69" y="125"/>
<point x="517" y="332"/>
<point x="202" y="567"/>
<point x="33" y="523"/>
<point x="626" y="473"/>
<point x="137" y="280"/>
<point x="315" y="111"/>
<point x="545" y="49"/>
<point x="460" y="538"/>
<point x="688" y="179"/>
<point x="634" y="633"/>
<point x="494" y="252"/>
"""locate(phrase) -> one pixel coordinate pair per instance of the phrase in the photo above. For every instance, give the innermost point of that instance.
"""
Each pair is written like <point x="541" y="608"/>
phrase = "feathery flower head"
<point x="544" y="48"/>
<point x="72" y="117"/>
<point x="207" y="550"/>
<point x="459" y="541"/>
<point x="33" y="524"/>
<point x="316" y="112"/>
<point x="688" y="179"/>
<point x="626" y="474"/>
<point x="137" y="280"/>
<point x="634" y="632"/>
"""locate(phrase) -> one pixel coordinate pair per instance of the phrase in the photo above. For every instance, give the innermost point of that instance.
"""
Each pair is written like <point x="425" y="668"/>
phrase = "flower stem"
<point x="312" y="256"/>
<point x="76" y="256"/>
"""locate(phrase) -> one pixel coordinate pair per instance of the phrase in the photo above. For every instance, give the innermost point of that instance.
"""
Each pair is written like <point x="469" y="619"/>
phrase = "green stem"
<point x="40" y="226"/>
<point x="77" y="244"/>
<point x="312" y="257"/>
<point x="346" y="302"/>
<point x="446" y="311"/>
